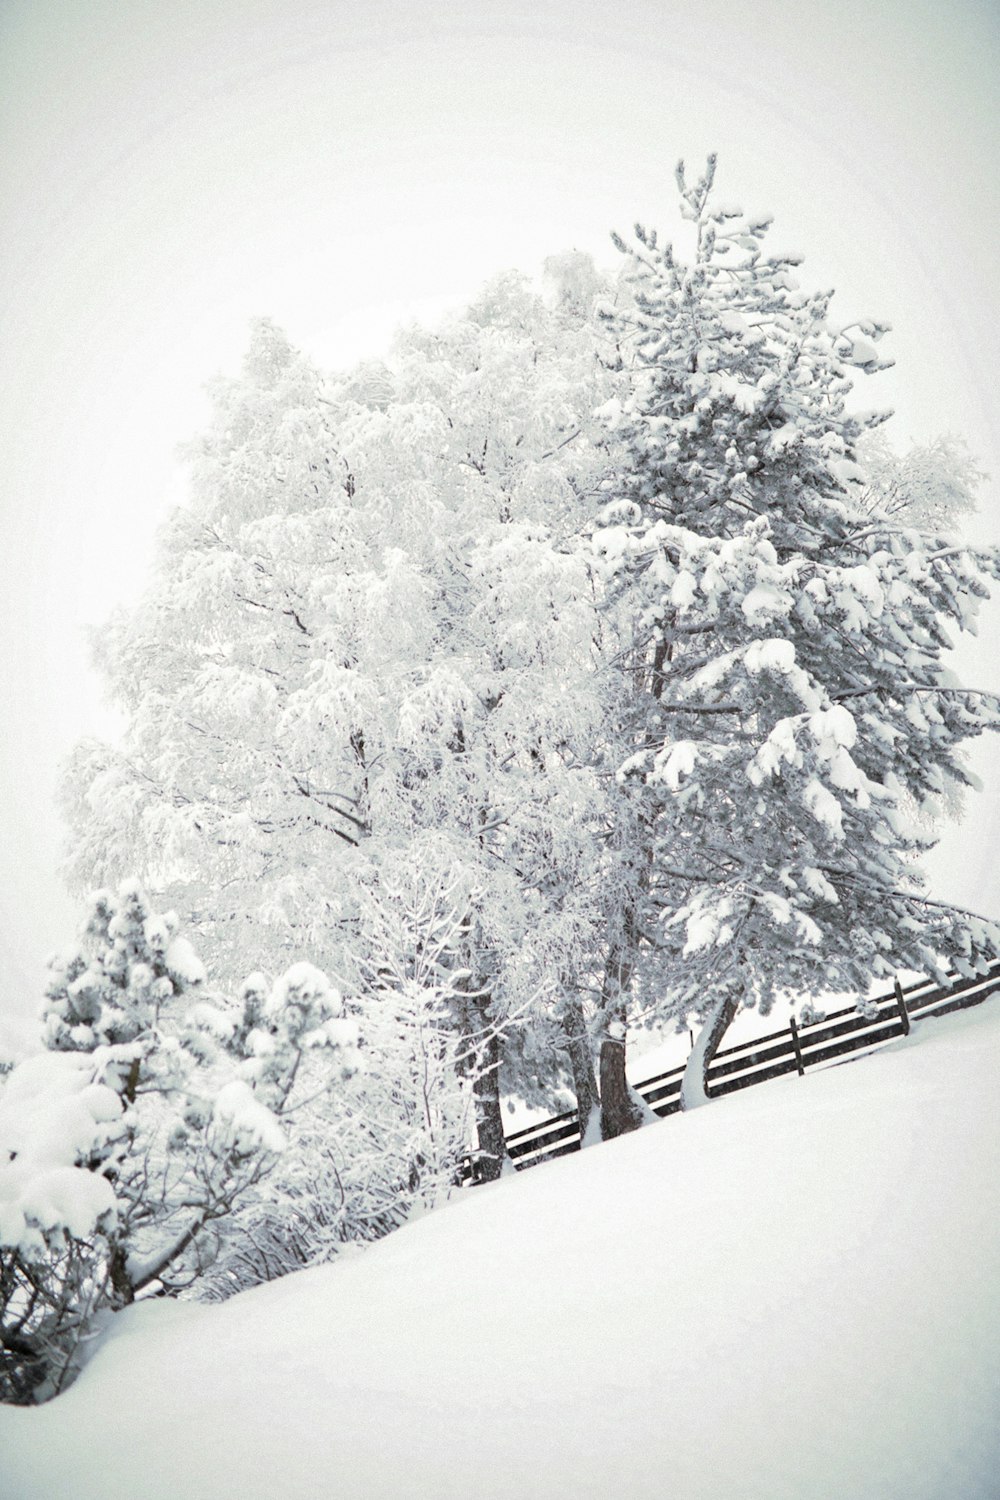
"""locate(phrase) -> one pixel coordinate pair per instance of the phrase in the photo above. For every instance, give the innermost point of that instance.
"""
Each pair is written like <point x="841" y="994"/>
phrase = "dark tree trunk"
<point x="581" y="1061"/>
<point x="619" y="1110"/>
<point x="492" y="1154"/>
<point x="483" y="1063"/>
<point x="121" y="1282"/>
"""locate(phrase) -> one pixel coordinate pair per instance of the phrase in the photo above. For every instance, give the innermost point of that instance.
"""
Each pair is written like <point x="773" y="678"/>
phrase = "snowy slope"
<point x="793" y="1294"/>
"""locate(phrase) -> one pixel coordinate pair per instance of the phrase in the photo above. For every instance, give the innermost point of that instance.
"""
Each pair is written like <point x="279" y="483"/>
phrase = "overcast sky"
<point x="170" y="170"/>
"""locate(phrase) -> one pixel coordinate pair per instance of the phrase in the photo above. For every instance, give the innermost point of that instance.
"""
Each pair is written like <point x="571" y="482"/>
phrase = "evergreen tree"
<point x="789" y="637"/>
<point x="130" y="1148"/>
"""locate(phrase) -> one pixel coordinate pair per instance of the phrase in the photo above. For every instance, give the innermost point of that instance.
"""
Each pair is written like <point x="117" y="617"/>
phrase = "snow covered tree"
<point x="152" y="1116"/>
<point x="399" y="1133"/>
<point x="129" y="997"/>
<point x="129" y="966"/>
<point x="931" y="486"/>
<point x="431" y="1056"/>
<point x="59" y="1125"/>
<point x="374" y="620"/>
<point x="789" y="639"/>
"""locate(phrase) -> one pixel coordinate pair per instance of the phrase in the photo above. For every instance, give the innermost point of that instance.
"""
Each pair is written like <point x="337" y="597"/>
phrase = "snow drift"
<point x="791" y="1295"/>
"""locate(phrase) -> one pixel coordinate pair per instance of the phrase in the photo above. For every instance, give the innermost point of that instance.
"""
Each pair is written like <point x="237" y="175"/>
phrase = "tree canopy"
<point x="594" y="629"/>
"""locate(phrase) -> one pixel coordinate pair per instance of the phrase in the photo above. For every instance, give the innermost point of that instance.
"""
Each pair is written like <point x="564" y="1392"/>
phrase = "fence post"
<point x="800" y="1065"/>
<point x="901" y="1006"/>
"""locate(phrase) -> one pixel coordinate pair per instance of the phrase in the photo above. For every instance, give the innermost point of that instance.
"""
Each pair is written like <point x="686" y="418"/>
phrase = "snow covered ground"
<point x="793" y="1294"/>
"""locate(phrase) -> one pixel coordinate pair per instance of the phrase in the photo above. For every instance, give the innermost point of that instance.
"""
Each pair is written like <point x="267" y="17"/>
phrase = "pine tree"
<point x="133" y="1146"/>
<point x="793" y="702"/>
<point x="193" y="1135"/>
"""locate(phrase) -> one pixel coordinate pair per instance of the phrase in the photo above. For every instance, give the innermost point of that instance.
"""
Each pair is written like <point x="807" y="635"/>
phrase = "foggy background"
<point x="169" y="171"/>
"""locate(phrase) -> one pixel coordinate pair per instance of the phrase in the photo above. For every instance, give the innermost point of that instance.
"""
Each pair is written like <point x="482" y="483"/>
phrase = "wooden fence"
<point x="823" y="1043"/>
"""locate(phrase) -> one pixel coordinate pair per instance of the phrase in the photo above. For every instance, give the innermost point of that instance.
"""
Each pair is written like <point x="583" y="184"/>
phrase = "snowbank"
<point x="791" y="1295"/>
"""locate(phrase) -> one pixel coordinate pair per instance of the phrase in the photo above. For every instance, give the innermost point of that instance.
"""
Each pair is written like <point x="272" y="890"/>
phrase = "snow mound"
<point x="53" y="1116"/>
<point x="791" y="1295"/>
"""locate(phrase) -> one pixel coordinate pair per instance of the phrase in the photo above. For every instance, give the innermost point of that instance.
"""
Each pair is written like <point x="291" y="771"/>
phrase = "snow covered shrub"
<point x="59" y="1125"/>
<point x="393" y="1141"/>
<point x="296" y="1052"/>
<point x="126" y="1146"/>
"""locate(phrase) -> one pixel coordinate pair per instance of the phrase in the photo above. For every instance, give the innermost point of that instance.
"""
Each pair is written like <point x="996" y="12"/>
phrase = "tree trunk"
<point x="620" y="1110"/>
<point x="123" y="1292"/>
<point x="694" y="1084"/>
<point x="482" y="1063"/>
<point x="581" y="1061"/>
<point x="491" y="1158"/>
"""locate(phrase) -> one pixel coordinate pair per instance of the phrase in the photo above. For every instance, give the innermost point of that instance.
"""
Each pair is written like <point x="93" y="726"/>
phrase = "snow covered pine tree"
<point x="789" y="634"/>
<point x="127" y="1144"/>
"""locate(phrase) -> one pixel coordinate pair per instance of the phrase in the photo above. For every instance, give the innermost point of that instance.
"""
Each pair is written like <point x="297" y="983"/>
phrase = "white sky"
<point x="168" y="171"/>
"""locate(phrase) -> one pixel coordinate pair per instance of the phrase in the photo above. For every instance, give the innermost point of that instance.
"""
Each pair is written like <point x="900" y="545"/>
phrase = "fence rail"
<point x="798" y="1047"/>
